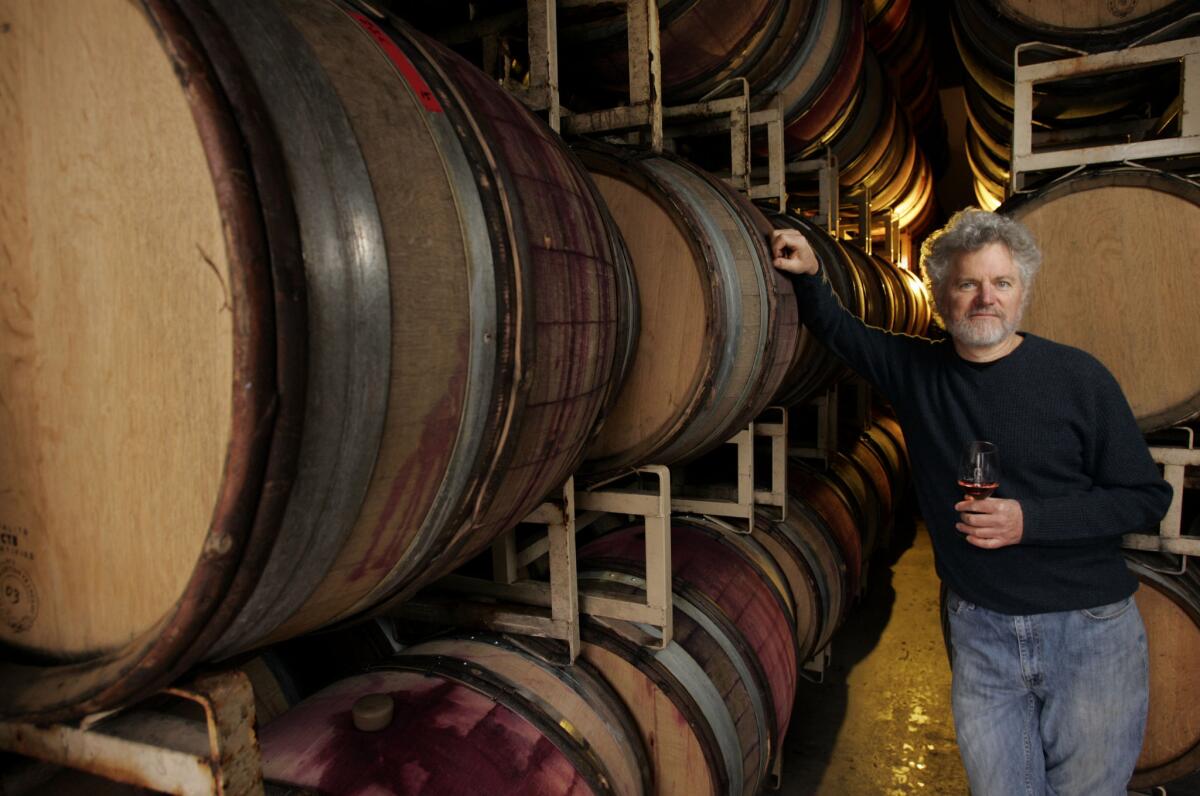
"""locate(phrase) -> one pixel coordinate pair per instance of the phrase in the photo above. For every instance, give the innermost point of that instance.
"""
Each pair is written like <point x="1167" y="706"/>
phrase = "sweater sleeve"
<point x="1126" y="495"/>
<point x="875" y="354"/>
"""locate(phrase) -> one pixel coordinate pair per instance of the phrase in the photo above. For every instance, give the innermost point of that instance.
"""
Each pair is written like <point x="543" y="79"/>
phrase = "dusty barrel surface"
<point x="1120" y="281"/>
<point x="287" y="340"/>
<point x="717" y="324"/>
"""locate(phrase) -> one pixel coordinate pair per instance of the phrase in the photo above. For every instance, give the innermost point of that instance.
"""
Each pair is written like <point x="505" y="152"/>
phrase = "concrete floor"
<point x="880" y="724"/>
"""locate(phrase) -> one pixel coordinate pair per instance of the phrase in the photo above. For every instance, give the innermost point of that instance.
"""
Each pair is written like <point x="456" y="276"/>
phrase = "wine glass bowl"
<point x="978" y="469"/>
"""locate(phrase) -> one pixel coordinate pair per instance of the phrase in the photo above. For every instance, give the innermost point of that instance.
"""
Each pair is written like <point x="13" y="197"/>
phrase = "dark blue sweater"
<point x="1070" y="451"/>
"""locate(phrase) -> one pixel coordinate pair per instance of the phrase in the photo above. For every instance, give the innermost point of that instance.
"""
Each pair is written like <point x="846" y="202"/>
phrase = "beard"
<point x="982" y="331"/>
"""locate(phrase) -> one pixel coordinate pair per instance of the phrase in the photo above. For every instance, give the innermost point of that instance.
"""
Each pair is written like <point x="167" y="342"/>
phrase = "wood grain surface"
<point x="1119" y="280"/>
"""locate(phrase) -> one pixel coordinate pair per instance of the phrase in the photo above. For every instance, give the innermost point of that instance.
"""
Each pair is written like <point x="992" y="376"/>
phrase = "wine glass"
<point x="978" y="470"/>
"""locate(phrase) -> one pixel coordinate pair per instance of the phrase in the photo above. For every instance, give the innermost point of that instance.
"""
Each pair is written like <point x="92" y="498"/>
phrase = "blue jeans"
<point x="1049" y="704"/>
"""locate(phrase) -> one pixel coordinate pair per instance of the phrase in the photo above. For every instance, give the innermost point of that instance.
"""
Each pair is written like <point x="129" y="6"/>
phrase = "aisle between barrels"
<point x="880" y="722"/>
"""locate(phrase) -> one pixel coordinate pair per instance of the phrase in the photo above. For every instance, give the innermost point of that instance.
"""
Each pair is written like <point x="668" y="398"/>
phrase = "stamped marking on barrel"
<point x="1121" y="8"/>
<point x="18" y="598"/>
<point x="15" y="542"/>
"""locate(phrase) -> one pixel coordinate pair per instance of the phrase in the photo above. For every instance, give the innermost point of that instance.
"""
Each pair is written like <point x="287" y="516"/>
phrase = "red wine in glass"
<point x="978" y="470"/>
<point x="977" y="491"/>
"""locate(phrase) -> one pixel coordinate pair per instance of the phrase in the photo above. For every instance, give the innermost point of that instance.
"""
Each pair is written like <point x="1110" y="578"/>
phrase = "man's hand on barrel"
<point x="792" y="252"/>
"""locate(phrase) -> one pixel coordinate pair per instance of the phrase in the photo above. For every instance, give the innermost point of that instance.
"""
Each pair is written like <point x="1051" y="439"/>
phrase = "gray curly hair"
<point x="969" y="231"/>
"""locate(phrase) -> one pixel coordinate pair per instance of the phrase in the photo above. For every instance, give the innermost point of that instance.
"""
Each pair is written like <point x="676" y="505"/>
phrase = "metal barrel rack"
<point x="167" y="750"/>
<point x="515" y="604"/>
<point x="1072" y="151"/>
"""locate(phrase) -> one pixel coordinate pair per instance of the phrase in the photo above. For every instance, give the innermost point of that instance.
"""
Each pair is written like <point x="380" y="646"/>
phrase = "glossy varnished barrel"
<point x="1120" y="281"/>
<point x="470" y="714"/>
<point x="718" y="322"/>
<point x="729" y="672"/>
<point x="338" y="292"/>
<point x="1169" y="602"/>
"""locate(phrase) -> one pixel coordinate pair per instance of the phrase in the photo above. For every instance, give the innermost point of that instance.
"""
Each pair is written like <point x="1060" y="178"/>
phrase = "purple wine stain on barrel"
<point x="415" y="482"/>
<point x="444" y="738"/>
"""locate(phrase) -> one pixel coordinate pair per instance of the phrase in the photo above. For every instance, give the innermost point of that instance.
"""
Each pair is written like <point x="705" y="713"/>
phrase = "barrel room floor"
<point x="879" y="723"/>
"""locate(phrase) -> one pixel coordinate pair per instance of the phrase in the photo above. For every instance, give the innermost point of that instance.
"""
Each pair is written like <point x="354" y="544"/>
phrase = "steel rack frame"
<point x="160" y="751"/>
<point x="1185" y="52"/>
<point x="512" y="603"/>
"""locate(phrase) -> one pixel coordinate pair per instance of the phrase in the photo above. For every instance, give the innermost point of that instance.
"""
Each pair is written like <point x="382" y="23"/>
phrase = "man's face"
<point x="982" y="297"/>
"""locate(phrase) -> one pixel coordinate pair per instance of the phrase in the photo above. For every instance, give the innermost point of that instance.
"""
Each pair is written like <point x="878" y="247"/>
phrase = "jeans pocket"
<point x="1109" y="611"/>
<point x="955" y="604"/>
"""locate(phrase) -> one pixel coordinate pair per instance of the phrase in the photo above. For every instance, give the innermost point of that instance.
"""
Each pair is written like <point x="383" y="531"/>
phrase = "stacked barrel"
<point x="1093" y="226"/>
<point x="811" y="60"/>
<point x="708" y="712"/>
<point x="986" y="33"/>
<point x="346" y="313"/>
<point x="366" y="320"/>
<point x="898" y="32"/>
<point x="705" y="714"/>
<point x="836" y="97"/>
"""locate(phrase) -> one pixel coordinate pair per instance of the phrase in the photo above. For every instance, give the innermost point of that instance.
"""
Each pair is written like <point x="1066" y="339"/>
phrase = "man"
<point x="1049" y="653"/>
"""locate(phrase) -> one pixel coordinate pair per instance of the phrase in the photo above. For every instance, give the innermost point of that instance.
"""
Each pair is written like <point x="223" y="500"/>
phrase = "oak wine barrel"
<point x="814" y="90"/>
<point x="816" y="572"/>
<point x="987" y="31"/>
<point x="1120" y="280"/>
<point x="1170" y="606"/>
<point x="836" y="507"/>
<point x="703" y="44"/>
<point x="718" y="325"/>
<point x="871" y="467"/>
<point x="731" y="665"/>
<point x="287" y="339"/>
<point x="870" y="288"/>
<point x="814" y="367"/>
<point x="470" y="713"/>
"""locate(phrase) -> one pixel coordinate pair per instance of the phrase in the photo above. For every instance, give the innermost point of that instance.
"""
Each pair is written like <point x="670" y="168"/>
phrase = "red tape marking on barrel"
<point x="407" y="70"/>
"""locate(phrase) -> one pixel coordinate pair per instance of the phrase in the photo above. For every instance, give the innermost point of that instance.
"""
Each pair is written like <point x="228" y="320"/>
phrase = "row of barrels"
<point x="898" y="31"/>
<point x="346" y="312"/>
<point x="987" y="32"/>
<point x="809" y="58"/>
<point x="1091" y="225"/>
<point x="467" y="711"/>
